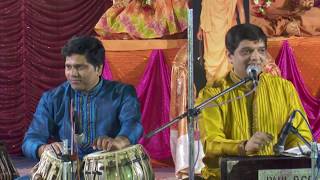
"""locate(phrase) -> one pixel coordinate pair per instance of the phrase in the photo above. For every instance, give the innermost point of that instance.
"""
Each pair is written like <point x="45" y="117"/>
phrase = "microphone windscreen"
<point x="252" y="68"/>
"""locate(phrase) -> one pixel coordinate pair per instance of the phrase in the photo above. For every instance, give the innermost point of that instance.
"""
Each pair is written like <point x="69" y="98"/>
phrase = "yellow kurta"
<point x="223" y="128"/>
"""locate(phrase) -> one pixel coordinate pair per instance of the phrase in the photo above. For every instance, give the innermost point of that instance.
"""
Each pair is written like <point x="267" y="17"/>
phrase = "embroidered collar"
<point x="93" y="91"/>
<point x="235" y="78"/>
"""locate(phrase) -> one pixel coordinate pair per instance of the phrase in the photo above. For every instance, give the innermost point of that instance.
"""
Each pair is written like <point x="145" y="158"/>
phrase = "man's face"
<point x="81" y="75"/>
<point x="248" y="53"/>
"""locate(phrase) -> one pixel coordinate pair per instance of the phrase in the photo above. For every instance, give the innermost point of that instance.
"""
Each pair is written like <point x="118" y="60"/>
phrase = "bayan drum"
<point x="7" y="170"/>
<point x="129" y="163"/>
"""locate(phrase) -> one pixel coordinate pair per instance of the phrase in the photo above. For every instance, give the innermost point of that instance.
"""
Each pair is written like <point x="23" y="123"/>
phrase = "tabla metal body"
<point x="7" y="170"/>
<point x="129" y="163"/>
<point x="49" y="167"/>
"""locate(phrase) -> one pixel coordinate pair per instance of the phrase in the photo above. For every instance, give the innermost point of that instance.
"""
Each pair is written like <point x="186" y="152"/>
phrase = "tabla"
<point x="7" y="170"/>
<point x="49" y="167"/>
<point x="129" y="163"/>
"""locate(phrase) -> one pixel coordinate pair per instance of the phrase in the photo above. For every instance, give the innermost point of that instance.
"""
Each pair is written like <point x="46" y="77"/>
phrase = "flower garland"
<point x="260" y="7"/>
<point x="147" y="2"/>
<point x="305" y="4"/>
<point x="147" y="5"/>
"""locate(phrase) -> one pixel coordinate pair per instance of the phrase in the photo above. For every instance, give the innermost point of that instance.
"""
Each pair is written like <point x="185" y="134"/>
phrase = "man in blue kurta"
<point x="106" y="113"/>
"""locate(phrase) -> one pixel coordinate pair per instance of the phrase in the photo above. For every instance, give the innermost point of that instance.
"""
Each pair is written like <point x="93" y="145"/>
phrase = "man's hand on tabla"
<point x="110" y="144"/>
<point x="56" y="147"/>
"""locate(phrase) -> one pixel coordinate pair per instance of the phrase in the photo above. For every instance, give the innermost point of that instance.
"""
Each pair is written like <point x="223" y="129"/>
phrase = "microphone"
<point x="279" y="146"/>
<point x="253" y="71"/>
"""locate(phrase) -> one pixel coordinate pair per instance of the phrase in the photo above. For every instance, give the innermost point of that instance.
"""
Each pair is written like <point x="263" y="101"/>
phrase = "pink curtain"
<point x="289" y="70"/>
<point x="106" y="73"/>
<point x="154" y="95"/>
<point x="32" y="33"/>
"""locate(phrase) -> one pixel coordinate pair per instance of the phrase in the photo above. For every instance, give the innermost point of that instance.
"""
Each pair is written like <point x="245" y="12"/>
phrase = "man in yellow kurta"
<point x="249" y="125"/>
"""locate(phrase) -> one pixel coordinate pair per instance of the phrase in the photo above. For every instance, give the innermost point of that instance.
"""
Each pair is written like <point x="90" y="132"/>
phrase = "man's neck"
<point x="92" y="88"/>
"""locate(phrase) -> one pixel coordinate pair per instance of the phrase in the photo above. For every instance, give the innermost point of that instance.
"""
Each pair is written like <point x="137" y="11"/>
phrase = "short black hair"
<point x="241" y="32"/>
<point x="88" y="46"/>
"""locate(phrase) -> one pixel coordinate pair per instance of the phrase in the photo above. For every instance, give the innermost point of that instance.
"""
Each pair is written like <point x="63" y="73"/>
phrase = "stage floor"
<point x="24" y="165"/>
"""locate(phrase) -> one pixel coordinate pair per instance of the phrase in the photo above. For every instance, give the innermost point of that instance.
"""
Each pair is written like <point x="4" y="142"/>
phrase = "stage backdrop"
<point x="32" y="33"/>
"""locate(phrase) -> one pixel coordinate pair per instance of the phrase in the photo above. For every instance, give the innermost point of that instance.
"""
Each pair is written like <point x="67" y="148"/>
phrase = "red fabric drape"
<point x="32" y="33"/>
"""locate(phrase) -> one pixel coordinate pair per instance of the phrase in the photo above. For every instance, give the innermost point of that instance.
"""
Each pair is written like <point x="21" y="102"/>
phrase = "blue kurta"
<point x="110" y="109"/>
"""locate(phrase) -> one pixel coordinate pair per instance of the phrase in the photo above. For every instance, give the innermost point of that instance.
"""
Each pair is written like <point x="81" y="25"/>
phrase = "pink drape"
<point x="154" y="95"/>
<point x="32" y="33"/>
<point x="289" y="70"/>
<point x="106" y="73"/>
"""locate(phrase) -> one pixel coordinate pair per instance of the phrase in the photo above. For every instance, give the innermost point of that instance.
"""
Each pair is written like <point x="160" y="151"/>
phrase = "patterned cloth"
<point x="224" y="128"/>
<point x="290" y="18"/>
<point x="137" y="20"/>
<point x="217" y="16"/>
<point x="110" y="109"/>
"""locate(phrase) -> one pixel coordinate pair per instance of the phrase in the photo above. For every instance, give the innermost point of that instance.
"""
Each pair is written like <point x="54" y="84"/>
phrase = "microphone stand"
<point x="314" y="157"/>
<point x="190" y="101"/>
<point x="313" y="148"/>
<point x="296" y="132"/>
<point x="66" y="175"/>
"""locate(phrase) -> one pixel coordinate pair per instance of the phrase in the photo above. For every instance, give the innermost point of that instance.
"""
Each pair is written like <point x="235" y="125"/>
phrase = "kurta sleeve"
<point x="38" y="132"/>
<point x="294" y="103"/>
<point x="130" y="116"/>
<point x="212" y="132"/>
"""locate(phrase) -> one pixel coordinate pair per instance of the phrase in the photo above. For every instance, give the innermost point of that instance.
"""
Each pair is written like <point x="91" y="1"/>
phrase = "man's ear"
<point x="99" y="70"/>
<point x="230" y="57"/>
